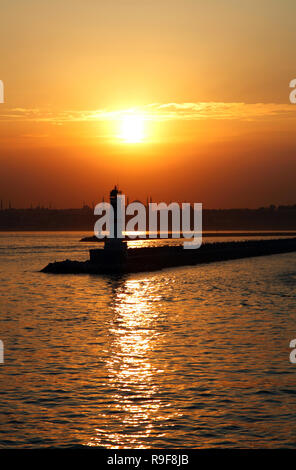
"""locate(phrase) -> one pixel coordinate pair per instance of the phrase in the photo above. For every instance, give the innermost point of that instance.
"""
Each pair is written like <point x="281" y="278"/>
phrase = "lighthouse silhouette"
<point x="116" y="243"/>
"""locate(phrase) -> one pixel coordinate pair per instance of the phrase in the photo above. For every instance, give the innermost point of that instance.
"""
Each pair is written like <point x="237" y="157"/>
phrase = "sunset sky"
<point x="184" y="100"/>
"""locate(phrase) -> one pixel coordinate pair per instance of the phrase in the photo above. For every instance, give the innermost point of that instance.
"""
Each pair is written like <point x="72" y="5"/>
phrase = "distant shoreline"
<point x="270" y="219"/>
<point x="211" y="233"/>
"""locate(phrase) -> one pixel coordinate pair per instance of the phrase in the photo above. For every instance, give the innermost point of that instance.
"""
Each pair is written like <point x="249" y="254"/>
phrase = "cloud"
<point x="159" y="112"/>
<point x="218" y="110"/>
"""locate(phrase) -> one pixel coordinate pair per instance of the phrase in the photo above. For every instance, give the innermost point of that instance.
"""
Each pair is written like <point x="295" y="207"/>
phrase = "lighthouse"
<point x="117" y="201"/>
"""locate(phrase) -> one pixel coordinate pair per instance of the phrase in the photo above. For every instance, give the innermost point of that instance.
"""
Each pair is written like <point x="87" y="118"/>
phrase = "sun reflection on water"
<point x="137" y="409"/>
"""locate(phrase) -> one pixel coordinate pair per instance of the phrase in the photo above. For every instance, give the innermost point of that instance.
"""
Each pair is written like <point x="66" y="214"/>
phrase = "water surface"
<point x="189" y="357"/>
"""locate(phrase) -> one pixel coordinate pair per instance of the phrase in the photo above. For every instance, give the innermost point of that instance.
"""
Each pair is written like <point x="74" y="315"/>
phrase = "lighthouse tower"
<point x="116" y="243"/>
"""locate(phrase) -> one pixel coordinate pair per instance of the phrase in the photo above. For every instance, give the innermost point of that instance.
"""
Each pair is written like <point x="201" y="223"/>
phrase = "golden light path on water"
<point x="136" y="403"/>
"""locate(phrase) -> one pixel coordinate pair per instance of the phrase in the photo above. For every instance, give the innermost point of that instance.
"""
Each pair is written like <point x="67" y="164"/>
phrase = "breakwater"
<point x="154" y="258"/>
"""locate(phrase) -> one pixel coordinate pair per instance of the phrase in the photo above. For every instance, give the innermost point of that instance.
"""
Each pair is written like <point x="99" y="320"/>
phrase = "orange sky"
<point x="209" y="79"/>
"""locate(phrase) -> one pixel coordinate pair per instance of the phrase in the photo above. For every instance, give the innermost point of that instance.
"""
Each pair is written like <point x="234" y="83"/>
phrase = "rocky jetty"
<point x="154" y="258"/>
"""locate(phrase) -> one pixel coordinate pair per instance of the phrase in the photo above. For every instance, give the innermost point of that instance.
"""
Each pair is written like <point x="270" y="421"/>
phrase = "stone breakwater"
<point x="154" y="258"/>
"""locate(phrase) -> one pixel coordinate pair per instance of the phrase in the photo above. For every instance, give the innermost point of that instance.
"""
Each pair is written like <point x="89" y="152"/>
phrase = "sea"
<point x="189" y="357"/>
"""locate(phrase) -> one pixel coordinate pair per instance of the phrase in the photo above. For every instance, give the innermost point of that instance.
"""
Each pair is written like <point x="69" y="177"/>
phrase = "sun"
<point x="132" y="128"/>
